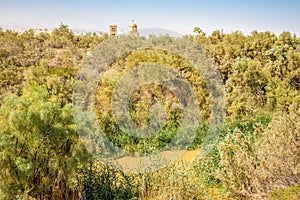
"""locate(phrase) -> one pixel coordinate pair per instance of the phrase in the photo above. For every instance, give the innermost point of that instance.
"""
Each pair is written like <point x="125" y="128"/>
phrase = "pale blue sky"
<point x="176" y="15"/>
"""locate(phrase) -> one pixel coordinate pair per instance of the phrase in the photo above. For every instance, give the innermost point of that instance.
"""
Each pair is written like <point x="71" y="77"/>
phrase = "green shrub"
<point x="290" y="193"/>
<point x="100" y="181"/>
<point x="39" y="148"/>
<point x="207" y="167"/>
<point x="253" y="168"/>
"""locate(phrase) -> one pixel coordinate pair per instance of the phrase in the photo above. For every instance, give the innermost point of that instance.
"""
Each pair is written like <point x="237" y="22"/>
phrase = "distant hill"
<point x="22" y="28"/>
<point x="143" y="32"/>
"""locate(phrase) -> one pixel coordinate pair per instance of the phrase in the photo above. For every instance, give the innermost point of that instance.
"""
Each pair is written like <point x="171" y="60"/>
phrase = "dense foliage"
<point x="39" y="147"/>
<point x="257" y="155"/>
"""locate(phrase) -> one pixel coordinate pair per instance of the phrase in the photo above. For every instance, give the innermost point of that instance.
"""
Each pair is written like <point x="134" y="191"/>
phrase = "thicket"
<point x="257" y="155"/>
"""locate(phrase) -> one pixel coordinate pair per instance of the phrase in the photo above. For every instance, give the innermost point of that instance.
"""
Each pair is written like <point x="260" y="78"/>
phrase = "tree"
<point x="199" y="31"/>
<point x="246" y="88"/>
<point x="39" y="147"/>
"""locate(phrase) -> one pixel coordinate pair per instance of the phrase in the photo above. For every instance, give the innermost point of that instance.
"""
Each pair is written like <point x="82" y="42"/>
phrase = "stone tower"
<point x="113" y="29"/>
<point x="132" y="29"/>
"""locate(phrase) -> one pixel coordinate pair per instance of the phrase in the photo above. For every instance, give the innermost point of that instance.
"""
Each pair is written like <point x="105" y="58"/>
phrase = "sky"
<point x="176" y="15"/>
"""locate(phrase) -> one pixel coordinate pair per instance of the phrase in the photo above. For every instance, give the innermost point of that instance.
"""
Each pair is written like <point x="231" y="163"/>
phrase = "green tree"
<point x="246" y="88"/>
<point x="39" y="148"/>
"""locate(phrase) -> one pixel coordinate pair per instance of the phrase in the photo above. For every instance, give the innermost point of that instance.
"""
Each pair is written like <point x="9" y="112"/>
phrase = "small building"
<point x="113" y="29"/>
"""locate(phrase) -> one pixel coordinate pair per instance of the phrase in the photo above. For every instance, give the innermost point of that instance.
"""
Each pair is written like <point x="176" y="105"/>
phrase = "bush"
<point x="290" y="193"/>
<point x="100" y="181"/>
<point x="39" y="147"/>
<point x="253" y="168"/>
<point x="207" y="167"/>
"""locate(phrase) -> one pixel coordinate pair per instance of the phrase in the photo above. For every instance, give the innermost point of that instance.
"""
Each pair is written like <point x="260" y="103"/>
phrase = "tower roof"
<point x="132" y="24"/>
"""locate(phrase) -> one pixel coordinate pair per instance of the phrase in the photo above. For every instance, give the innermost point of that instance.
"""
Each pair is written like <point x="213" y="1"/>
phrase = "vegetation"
<point x="256" y="157"/>
<point x="288" y="193"/>
<point x="39" y="147"/>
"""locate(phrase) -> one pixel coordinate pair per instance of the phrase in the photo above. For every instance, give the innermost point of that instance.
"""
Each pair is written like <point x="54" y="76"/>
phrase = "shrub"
<point x="253" y="168"/>
<point x="100" y="181"/>
<point x="38" y="147"/>
<point x="290" y="193"/>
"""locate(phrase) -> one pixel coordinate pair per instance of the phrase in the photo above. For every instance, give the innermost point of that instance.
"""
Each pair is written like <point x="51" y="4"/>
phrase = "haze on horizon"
<point x="180" y="16"/>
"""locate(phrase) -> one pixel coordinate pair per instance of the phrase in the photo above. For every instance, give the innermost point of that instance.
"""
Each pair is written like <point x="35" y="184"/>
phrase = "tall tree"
<point x="39" y="148"/>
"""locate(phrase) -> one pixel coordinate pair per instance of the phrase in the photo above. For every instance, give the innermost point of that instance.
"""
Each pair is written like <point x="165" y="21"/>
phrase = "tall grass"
<point x="176" y="181"/>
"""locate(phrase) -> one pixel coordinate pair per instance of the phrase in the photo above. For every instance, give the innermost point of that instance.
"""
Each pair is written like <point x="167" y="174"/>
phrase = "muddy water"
<point x="131" y="163"/>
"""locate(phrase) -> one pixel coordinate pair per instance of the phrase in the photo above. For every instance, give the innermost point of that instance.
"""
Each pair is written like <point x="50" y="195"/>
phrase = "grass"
<point x="175" y="181"/>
